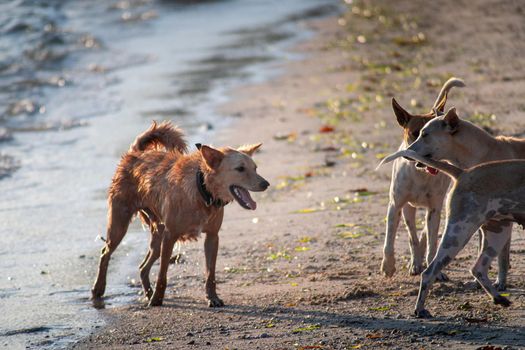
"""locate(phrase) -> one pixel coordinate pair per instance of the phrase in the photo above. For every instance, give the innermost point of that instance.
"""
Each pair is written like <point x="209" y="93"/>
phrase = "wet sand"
<point x="302" y="272"/>
<point x="78" y="81"/>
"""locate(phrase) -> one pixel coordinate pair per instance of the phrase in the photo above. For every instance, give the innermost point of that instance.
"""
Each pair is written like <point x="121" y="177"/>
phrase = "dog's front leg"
<point x="432" y="220"/>
<point x="211" y="247"/>
<point x="416" y="249"/>
<point x="454" y="239"/>
<point x="388" y="266"/>
<point x="168" y="241"/>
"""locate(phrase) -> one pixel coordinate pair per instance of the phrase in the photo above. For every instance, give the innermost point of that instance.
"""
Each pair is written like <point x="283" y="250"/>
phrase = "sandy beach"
<point x="302" y="271"/>
<point x="71" y="74"/>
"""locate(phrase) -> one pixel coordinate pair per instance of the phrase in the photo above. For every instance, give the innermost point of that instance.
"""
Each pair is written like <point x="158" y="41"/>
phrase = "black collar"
<point x="206" y="195"/>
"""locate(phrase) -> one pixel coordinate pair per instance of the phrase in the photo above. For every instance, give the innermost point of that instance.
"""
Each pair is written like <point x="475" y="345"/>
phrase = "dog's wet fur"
<point x="158" y="180"/>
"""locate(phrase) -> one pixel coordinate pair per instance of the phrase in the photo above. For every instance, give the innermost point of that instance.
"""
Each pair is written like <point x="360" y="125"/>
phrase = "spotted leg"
<point x="455" y="237"/>
<point x="504" y="261"/>
<point x="492" y="246"/>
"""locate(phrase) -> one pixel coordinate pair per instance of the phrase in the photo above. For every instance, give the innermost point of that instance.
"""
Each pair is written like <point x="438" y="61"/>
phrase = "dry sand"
<point x="291" y="274"/>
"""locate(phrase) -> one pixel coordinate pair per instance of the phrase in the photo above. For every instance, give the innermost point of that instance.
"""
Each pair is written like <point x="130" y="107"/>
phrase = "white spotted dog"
<point x="489" y="195"/>
<point x="465" y="145"/>
<point x="412" y="188"/>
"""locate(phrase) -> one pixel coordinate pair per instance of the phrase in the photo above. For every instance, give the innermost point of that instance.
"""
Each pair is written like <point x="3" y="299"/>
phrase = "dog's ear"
<point x="451" y="120"/>
<point x="403" y="117"/>
<point x="440" y="106"/>
<point x="213" y="157"/>
<point x="249" y="149"/>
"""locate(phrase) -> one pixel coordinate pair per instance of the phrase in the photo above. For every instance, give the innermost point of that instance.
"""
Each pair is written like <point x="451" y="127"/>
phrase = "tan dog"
<point x="178" y="195"/>
<point x="465" y="145"/>
<point x="488" y="195"/>
<point x="411" y="188"/>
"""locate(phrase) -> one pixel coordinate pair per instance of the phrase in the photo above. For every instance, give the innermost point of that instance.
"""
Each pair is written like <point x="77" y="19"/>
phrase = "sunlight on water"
<point x="78" y="81"/>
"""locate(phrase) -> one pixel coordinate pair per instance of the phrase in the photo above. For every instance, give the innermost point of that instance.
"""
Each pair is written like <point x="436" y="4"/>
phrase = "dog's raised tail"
<point x="439" y="104"/>
<point x="449" y="169"/>
<point x="164" y="135"/>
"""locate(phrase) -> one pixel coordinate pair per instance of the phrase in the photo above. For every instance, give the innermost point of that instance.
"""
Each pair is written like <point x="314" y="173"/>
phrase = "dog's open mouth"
<point x="242" y="196"/>
<point x="430" y="170"/>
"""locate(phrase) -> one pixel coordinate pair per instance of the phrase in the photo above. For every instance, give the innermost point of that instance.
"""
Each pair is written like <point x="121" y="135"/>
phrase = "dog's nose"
<point x="264" y="185"/>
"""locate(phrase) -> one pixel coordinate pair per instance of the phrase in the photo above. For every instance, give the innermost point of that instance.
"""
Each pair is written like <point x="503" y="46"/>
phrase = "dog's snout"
<point x="264" y="185"/>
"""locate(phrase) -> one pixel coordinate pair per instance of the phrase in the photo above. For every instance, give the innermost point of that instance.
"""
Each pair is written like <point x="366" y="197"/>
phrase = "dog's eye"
<point x="240" y="169"/>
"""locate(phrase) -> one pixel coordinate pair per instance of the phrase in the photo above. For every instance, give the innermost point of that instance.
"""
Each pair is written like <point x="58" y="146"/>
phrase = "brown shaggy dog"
<point x="178" y="195"/>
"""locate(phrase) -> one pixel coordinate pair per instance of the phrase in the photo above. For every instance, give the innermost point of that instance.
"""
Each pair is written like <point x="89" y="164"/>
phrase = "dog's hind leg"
<point x="144" y="217"/>
<point x="504" y="261"/>
<point x="156" y="232"/>
<point x="416" y="249"/>
<point x="455" y="238"/>
<point x="119" y="216"/>
<point x="493" y="244"/>
<point x="151" y="257"/>
<point x="166" y="248"/>
<point x="388" y="266"/>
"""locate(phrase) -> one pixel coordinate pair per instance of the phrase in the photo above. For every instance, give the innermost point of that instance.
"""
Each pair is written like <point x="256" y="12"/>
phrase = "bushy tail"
<point x="449" y="169"/>
<point x="442" y="97"/>
<point x="160" y="135"/>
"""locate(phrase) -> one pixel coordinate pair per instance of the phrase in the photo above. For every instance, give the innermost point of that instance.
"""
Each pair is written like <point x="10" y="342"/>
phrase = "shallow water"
<point x="78" y="81"/>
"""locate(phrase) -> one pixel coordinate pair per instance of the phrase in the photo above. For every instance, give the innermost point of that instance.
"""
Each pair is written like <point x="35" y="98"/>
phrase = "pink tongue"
<point x="432" y="171"/>
<point x="246" y="198"/>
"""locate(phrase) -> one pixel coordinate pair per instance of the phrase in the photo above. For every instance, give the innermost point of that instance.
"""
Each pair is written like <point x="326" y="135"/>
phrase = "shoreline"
<point x="114" y="84"/>
<point x="303" y="270"/>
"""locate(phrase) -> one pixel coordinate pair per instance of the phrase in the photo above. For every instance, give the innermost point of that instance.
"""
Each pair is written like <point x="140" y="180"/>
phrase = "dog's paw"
<point x="155" y="302"/>
<point x="215" y="302"/>
<point x="442" y="277"/>
<point x="388" y="266"/>
<point x="148" y="293"/>
<point x="501" y="300"/>
<point x="476" y="284"/>
<point x="98" y="303"/>
<point x="415" y="269"/>
<point x="423" y="313"/>
<point x="97" y="293"/>
<point x="500" y="286"/>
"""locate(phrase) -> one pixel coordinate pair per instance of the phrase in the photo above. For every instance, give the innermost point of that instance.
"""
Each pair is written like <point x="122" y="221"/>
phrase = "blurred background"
<point x="78" y="81"/>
